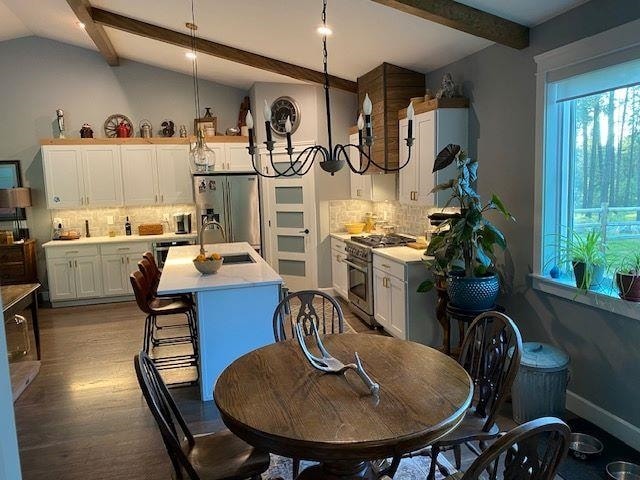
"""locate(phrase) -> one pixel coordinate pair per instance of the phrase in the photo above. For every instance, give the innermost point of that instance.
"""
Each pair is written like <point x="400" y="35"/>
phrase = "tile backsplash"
<point x="407" y="218"/>
<point x="97" y="217"/>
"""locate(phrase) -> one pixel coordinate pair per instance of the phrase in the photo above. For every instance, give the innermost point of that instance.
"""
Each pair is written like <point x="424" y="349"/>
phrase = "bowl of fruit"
<point x="207" y="264"/>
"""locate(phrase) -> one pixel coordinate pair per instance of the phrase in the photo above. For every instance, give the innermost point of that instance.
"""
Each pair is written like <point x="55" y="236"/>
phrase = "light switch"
<point x="109" y="219"/>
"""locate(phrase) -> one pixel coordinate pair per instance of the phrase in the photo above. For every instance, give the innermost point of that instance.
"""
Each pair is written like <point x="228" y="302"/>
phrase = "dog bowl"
<point x="583" y="446"/>
<point x="623" y="471"/>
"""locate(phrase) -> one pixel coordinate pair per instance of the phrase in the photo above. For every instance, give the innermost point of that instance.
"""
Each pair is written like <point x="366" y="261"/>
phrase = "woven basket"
<point x="150" y="229"/>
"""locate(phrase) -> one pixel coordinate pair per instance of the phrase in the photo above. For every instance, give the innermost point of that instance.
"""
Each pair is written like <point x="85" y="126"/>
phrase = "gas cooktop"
<point x="380" y="241"/>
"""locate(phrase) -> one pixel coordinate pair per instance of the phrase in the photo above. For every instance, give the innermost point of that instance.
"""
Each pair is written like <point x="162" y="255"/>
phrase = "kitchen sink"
<point x="235" y="258"/>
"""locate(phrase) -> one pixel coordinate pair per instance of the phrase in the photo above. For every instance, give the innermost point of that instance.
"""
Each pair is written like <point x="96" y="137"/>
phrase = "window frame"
<point x="548" y="216"/>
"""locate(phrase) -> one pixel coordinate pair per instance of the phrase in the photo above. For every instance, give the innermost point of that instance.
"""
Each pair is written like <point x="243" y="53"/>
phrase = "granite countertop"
<point x="401" y="254"/>
<point x="398" y="254"/>
<point x="165" y="237"/>
<point x="180" y="276"/>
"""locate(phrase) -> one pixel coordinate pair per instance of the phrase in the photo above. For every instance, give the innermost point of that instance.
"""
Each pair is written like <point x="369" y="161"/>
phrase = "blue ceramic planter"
<point x="472" y="293"/>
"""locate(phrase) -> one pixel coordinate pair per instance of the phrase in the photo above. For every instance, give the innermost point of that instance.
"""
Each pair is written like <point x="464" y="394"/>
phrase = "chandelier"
<point x="200" y="155"/>
<point x="334" y="157"/>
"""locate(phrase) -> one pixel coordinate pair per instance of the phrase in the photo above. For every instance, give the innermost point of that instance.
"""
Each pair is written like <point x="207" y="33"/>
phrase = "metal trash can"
<point x="540" y="388"/>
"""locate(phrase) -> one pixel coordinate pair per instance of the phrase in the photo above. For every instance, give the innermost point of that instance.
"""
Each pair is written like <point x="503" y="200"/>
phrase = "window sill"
<point x="605" y="298"/>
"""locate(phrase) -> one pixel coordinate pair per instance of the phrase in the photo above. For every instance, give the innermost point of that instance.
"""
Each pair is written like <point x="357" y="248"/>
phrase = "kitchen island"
<point x="234" y="306"/>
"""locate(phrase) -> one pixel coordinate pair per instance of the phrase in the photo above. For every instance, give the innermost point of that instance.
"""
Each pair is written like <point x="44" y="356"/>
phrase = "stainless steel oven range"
<point x="360" y="271"/>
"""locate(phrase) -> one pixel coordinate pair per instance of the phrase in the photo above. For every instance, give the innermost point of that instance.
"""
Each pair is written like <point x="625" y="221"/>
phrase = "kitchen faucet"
<point x="205" y="225"/>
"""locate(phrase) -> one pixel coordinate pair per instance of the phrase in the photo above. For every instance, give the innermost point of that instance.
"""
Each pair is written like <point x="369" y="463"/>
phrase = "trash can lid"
<point x="543" y="357"/>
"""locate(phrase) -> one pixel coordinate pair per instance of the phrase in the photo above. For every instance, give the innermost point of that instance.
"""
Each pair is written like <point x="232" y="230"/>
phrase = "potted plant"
<point x="586" y="254"/>
<point x="628" y="277"/>
<point x="463" y="248"/>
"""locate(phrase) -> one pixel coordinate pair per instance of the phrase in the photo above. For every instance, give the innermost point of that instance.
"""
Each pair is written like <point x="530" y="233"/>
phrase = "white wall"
<point x="313" y="128"/>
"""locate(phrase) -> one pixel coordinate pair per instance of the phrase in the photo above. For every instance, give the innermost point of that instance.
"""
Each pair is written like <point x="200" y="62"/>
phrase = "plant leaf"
<point x="446" y="157"/>
<point x="425" y="286"/>
<point x="442" y="186"/>
<point x="497" y="236"/>
<point x="497" y="203"/>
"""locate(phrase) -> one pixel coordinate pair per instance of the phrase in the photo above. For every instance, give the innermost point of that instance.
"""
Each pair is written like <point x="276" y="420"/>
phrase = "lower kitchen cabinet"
<point x="398" y="307"/>
<point x="339" y="273"/>
<point x="74" y="277"/>
<point x="92" y="271"/>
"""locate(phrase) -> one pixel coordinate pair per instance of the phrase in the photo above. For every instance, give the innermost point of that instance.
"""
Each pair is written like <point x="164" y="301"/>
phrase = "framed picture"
<point x="11" y="177"/>
<point x="205" y="123"/>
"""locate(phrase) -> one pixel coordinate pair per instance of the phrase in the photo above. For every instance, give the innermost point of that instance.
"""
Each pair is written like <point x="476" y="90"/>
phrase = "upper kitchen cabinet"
<point x="174" y="174"/>
<point x="87" y="176"/>
<point x="434" y="127"/>
<point x="390" y="88"/>
<point x="231" y="157"/>
<point x="376" y="187"/>
<point x="139" y="174"/>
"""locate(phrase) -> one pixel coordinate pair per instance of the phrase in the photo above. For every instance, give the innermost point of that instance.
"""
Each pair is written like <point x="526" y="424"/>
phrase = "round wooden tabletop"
<point x="273" y="399"/>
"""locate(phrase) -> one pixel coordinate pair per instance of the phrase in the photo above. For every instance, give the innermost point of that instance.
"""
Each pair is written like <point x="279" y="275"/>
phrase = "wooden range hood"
<point x="390" y="89"/>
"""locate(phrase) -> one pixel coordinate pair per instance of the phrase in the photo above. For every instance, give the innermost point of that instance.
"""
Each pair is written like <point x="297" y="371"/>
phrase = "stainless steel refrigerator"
<point x="233" y="200"/>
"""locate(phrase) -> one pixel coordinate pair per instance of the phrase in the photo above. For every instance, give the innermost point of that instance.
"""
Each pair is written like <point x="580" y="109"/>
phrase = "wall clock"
<point x="281" y="108"/>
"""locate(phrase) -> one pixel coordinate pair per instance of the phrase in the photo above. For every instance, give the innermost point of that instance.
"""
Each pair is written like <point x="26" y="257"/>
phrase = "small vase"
<point x="580" y="272"/>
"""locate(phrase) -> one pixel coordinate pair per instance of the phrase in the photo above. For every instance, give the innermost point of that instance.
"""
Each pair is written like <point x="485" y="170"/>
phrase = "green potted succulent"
<point x="586" y="255"/>
<point x="463" y="248"/>
<point x="628" y="277"/>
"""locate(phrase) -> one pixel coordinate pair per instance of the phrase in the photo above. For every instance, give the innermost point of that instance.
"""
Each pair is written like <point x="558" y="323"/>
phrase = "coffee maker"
<point x="182" y="223"/>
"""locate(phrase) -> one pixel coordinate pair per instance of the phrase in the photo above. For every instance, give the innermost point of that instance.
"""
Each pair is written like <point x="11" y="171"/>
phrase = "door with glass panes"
<point x="290" y="224"/>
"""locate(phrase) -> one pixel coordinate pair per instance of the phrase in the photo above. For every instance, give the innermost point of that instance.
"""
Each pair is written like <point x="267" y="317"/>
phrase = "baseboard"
<point x="328" y="291"/>
<point x="616" y="426"/>
<point x="91" y="301"/>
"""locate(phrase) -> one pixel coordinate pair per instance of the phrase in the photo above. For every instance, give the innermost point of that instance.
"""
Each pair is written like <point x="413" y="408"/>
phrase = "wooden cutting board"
<point x="417" y="245"/>
<point x="150" y="229"/>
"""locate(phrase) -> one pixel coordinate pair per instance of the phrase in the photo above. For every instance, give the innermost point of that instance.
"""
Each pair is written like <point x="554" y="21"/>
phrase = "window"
<point x="591" y="173"/>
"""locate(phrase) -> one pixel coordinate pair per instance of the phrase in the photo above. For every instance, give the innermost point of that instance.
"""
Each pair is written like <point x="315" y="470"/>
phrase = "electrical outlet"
<point x="165" y="217"/>
<point x="57" y="221"/>
<point x="109" y="219"/>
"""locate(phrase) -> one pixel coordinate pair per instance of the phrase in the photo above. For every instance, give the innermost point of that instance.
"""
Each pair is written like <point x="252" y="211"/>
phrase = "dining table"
<point x="276" y="401"/>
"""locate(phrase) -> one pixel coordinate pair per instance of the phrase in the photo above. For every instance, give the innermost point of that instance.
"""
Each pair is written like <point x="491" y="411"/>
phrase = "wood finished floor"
<point x="84" y="417"/>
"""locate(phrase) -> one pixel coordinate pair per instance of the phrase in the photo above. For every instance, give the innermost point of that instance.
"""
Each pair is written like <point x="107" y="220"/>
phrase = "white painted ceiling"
<point x="365" y="33"/>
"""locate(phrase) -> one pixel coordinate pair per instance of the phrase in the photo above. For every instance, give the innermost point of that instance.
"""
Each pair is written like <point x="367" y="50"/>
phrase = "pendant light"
<point x="333" y="157"/>
<point x="202" y="158"/>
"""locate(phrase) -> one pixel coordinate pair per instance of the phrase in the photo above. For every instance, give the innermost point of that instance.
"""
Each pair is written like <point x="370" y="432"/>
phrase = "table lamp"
<point x="18" y="197"/>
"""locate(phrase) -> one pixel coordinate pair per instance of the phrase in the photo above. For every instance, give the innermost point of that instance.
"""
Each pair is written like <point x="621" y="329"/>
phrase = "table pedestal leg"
<point x="339" y="470"/>
<point x="443" y="318"/>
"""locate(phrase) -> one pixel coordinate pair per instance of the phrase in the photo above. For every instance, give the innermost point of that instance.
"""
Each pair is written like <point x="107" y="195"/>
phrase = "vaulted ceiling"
<point x="366" y="33"/>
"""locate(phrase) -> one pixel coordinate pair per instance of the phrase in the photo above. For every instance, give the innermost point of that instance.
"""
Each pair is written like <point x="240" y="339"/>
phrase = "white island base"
<point x="234" y="306"/>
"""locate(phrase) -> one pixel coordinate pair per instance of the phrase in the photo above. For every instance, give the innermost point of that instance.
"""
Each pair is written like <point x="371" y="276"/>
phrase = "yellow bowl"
<point x="354" y="228"/>
<point x="208" y="266"/>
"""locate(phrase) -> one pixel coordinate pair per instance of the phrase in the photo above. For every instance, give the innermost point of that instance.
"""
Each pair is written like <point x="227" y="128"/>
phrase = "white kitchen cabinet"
<point x="398" y="307"/>
<point x="63" y="176"/>
<point x="118" y="261"/>
<point x="102" y="175"/>
<point x="432" y="130"/>
<point x="339" y="270"/>
<point x="74" y="276"/>
<point x="375" y="187"/>
<point x="88" y="175"/>
<point x="238" y="158"/>
<point x="139" y="174"/>
<point x="62" y="285"/>
<point x="175" y="184"/>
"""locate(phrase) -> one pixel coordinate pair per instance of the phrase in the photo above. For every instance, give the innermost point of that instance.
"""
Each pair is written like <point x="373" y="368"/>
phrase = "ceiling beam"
<point x="96" y="32"/>
<point x="137" y="27"/>
<point x="466" y="19"/>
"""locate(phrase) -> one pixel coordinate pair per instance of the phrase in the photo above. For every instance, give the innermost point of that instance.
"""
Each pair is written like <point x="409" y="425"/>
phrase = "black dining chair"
<point x="214" y="456"/>
<point x="531" y="451"/>
<point x="490" y="354"/>
<point x="304" y="307"/>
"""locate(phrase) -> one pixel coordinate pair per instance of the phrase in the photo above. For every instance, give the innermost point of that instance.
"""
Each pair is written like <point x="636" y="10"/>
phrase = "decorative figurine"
<point x="448" y="88"/>
<point x="60" y="115"/>
<point x="123" y="130"/>
<point x="168" y="128"/>
<point x="183" y="131"/>
<point x="86" y="131"/>
<point x="146" y="129"/>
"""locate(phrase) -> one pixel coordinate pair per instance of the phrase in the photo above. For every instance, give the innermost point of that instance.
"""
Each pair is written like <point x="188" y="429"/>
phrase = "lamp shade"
<point x="19" y="197"/>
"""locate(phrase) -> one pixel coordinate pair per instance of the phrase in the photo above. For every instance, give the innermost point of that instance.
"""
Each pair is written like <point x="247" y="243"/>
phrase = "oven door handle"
<point x="357" y="267"/>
